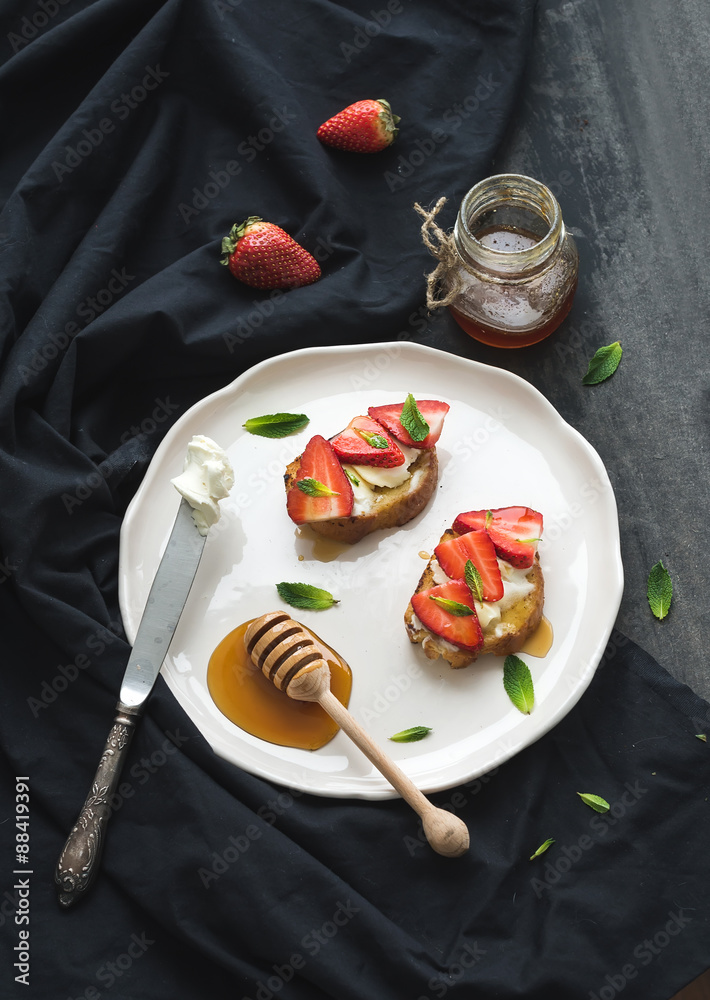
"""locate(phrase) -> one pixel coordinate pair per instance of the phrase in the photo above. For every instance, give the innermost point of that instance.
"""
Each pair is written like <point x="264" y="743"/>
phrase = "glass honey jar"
<point x="511" y="278"/>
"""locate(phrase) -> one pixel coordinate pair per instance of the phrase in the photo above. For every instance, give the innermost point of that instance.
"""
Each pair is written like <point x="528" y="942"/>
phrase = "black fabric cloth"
<point x="136" y="134"/>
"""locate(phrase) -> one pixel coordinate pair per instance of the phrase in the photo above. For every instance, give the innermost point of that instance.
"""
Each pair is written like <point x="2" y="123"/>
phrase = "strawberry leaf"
<point x="276" y="425"/>
<point x="595" y="802"/>
<point x="411" y="419"/>
<point x="659" y="590"/>
<point x="473" y="580"/>
<point x="453" y="607"/>
<point x="603" y="364"/>
<point x="314" y="488"/>
<point x="541" y="849"/>
<point x="411" y="735"/>
<point x="518" y="684"/>
<point x="305" y="596"/>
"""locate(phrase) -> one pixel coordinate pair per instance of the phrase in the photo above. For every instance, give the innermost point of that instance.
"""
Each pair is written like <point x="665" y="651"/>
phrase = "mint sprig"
<point x="595" y="802"/>
<point x="473" y="580"/>
<point x="659" y="590"/>
<point x="603" y="364"/>
<point x="314" y="488"/>
<point x="276" y="425"/>
<point x="305" y="596"/>
<point x="453" y="607"/>
<point x="411" y="419"/>
<point x="518" y="684"/>
<point x="411" y="735"/>
<point x="542" y="848"/>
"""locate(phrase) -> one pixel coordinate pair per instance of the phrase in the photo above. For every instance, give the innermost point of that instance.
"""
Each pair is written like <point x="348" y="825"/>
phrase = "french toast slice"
<point x="520" y="614"/>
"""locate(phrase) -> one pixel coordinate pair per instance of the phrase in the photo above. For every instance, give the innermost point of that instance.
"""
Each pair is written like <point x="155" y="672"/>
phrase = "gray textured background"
<point x="615" y="119"/>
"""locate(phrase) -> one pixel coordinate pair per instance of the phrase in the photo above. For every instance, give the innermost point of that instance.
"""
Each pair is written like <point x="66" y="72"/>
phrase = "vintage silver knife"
<point x="79" y="861"/>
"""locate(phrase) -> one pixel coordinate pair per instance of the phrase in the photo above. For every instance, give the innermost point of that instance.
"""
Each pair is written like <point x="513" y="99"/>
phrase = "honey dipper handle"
<point x="446" y="833"/>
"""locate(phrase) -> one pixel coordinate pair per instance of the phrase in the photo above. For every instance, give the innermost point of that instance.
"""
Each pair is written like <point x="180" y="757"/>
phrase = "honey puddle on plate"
<point x="538" y="644"/>
<point x="242" y="693"/>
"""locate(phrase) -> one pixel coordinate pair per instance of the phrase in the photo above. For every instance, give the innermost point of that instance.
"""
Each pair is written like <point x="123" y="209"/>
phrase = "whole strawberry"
<point x="363" y="127"/>
<point x="264" y="256"/>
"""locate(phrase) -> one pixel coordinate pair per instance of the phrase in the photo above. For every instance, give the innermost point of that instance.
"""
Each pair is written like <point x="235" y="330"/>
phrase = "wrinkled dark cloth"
<point x="136" y="134"/>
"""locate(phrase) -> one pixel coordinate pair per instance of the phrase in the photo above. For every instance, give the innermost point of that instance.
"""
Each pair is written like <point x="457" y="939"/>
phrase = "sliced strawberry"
<point x="432" y="410"/>
<point x="454" y="553"/>
<point x="514" y="531"/>
<point x="365" y="442"/>
<point x="463" y="631"/>
<point x="322" y="490"/>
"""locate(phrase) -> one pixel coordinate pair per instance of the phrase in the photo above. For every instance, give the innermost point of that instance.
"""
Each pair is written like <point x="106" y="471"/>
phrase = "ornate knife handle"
<point x="79" y="861"/>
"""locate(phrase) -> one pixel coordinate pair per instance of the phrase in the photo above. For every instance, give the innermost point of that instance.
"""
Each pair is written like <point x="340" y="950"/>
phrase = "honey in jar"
<point x="517" y="267"/>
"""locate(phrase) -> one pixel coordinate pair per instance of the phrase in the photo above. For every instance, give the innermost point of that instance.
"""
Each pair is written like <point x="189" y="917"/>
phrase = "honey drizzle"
<point x="539" y="643"/>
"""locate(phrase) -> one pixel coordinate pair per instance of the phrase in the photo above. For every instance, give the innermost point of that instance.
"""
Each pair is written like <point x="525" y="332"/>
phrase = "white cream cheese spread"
<point x="390" y="478"/>
<point x="207" y="477"/>
<point x="365" y="478"/>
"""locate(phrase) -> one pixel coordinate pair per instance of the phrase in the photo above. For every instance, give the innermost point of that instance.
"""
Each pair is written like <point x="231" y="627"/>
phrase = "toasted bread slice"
<point x="379" y="507"/>
<point x="520" y="615"/>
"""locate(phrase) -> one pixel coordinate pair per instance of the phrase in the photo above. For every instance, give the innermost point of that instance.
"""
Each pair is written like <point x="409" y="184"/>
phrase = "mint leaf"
<point x="541" y="849"/>
<point x="659" y="590"/>
<point x="314" y="488"/>
<point x="701" y="736"/>
<point x="374" y="440"/>
<point x="473" y="580"/>
<point x="518" y="684"/>
<point x="603" y="364"/>
<point x="276" y="425"/>
<point x="595" y="802"/>
<point x="411" y="735"/>
<point x="411" y="419"/>
<point x="351" y="476"/>
<point x="453" y="607"/>
<point x="306" y="597"/>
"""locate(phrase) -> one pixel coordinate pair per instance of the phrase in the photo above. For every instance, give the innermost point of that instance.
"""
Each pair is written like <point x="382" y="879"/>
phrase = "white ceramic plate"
<point x="503" y="444"/>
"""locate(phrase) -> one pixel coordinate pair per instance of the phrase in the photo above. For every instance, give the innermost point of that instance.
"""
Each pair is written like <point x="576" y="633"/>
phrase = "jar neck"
<point x="519" y="204"/>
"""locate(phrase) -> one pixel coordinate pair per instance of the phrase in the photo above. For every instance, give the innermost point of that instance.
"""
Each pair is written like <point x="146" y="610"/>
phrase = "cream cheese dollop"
<point x="207" y="477"/>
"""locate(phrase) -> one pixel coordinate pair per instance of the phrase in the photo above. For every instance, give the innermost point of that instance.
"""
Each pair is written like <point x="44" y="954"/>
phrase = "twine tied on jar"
<point x="446" y="274"/>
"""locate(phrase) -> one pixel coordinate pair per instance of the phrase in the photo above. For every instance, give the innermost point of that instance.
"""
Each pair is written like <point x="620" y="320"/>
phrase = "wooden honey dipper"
<point x="287" y="655"/>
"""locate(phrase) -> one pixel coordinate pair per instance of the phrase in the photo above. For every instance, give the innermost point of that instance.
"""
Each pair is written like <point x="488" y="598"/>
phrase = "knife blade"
<point x="80" y="858"/>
